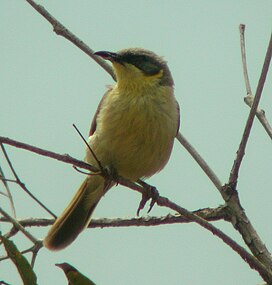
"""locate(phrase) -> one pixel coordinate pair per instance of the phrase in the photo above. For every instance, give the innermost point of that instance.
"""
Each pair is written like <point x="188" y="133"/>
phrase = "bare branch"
<point x="4" y="180"/>
<point x="260" y="113"/>
<point x="22" y="185"/>
<point x="241" y="151"/>
<point x="249" y="98"/>
<point x="209" y="214"/>
<point x="161" y="201"/>
<point x="252" y="261"/>
<point x="201" y="162"/>
<point x="244" y="62"/>
<point x="19" y="226"/>
<point x="229" y="192"/>
<point x="60" y="30"/>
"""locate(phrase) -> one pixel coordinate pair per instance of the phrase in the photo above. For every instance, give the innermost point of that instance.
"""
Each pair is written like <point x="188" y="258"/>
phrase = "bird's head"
<point x="138" y="67"/>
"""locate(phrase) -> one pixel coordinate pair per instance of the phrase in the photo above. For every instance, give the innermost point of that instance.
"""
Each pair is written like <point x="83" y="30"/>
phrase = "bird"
<point x="132" y="134"/>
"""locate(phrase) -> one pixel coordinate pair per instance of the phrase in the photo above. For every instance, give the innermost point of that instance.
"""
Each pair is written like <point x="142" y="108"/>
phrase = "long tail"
<point x="77" y="215"/>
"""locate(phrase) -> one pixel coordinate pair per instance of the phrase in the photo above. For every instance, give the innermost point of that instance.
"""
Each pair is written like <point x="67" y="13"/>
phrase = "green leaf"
<point x="25" y="270"/>
<point x="74" y="276"/>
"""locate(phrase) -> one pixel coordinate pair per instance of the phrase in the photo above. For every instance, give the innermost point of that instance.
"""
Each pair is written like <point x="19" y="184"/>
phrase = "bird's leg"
<point x="149" y="192"/>
<point x="111" y="177"/>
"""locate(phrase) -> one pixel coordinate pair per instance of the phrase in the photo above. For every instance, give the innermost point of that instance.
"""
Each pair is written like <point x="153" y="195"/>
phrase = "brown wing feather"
<point x="178" y="108"/>
<point x="93" y="124"/>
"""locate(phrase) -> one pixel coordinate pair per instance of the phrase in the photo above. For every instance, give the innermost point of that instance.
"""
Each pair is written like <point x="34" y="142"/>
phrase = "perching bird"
<point x="132" y="133"/>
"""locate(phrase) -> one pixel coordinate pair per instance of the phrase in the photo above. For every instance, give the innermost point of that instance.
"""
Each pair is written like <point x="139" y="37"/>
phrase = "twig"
<point x="244" y="62"/>
<point x="61" y="30"/>
<point x="161" y="201"/>
<point x="260" y="113"/>
<point x="64" y="158"/>
<point x="4" y="180"/>
<point x="201" y="162"/>
<point x="22" y="185"/>
<point x="229" y="192"/>
<point x="90" y="149"/>
<point x="19" y="226"/>
<point x="33" y="249"/>
<point x="252" y="261"/>
<point x="209" y="214"/>
<point x="250" y="98"/>
<point x="241" y="151"/>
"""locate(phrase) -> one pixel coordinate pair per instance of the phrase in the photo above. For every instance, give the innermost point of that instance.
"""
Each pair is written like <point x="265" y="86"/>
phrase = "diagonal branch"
<point x="161" y="201"/>
<point x="63" y="31"/>
<point x="250" y="98"/>
<point x="4" y="180"/>
<point x="241" y="151"/>
<point x="209" y="214"/>
<point x="22" y="185"/>
<point x="60" y="30"/>
<point x="229" y="193"/>
<point x="201" y="162"/>
<point x="18" y="226"/>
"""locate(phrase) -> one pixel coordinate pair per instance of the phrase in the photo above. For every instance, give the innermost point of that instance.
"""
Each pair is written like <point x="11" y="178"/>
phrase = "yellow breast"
<point x="135" y="131"/>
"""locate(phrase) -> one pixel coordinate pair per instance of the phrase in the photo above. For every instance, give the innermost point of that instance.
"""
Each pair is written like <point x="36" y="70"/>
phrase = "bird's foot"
<point x="149" y="192"/>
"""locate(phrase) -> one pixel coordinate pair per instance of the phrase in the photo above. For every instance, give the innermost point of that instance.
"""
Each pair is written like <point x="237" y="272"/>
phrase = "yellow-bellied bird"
<point x="132" y="132"/>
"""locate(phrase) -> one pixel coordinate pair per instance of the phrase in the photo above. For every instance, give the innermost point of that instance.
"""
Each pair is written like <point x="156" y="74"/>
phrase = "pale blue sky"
<point x="47" y="84"/>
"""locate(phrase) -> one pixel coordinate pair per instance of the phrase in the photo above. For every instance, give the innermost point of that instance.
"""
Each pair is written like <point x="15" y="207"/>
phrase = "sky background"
<point x="47" y="84"/>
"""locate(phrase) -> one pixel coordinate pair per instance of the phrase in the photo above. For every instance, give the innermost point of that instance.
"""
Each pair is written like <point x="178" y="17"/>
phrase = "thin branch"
<point x="260" y="113"/>
<point x="61" y="30"/>
<point x="201" y="162"/>
<point x="89" y="148"/>
<point x="33" y="249"/>
<point x="4" y="180"/>
<point x="209" y="214"/>
<point x="244" y="62"/>
<point x="250" y="98"/>
<point x="252" y="261"/>
<point x="19" y="226"/>
<point x="229" y="192"/>
<point x="161" y="201"/>
<point x="241" y="151"/>
<point x="22" y="185"/>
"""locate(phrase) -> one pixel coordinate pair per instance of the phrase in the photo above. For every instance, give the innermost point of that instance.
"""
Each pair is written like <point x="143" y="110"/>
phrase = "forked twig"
<point x="22" y="185"/>
<point x="241" y="150"/>
<point x="89" y="148"/>
<point x="250" y="98"/>
<point x="18" y="226"/>
<point x="60" y="30"/>
<point x="161" y="201"/>
<point x="4" y="180"/>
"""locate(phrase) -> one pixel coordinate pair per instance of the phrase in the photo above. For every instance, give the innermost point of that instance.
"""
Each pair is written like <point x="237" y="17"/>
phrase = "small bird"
<point x="132" y="134"/>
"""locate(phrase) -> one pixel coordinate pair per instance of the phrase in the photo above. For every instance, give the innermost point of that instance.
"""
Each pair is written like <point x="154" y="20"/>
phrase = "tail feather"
<point x="77" y="215"/>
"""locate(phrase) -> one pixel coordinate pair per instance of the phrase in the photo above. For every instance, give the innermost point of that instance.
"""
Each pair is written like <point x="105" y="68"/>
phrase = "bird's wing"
<point x="93" y="124"/>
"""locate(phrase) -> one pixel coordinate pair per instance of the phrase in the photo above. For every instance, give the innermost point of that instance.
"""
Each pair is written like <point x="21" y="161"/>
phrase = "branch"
<point x="22" y="185"/>
<point x="60" y="30"/>
<point x="161" y="201"/>
<point x="201" y="162"/>
<point x="243" y="54"/>
<point x="209" y="214"/>
<point x="249" y="98"/>
<point x="241" y="151"/>
<point x="19" y="226"/>
<point x="260" y="113"/>
<point x="4" y="180"/>
<point x="229" y="192"/>
<point x="63" y="31"/>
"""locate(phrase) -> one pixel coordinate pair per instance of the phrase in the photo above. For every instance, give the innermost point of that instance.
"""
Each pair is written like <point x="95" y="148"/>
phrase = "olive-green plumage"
<point x="132" y="132"/>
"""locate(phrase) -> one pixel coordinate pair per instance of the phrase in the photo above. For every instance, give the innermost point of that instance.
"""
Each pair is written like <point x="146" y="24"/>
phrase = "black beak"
<point x="112" y="56"/>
